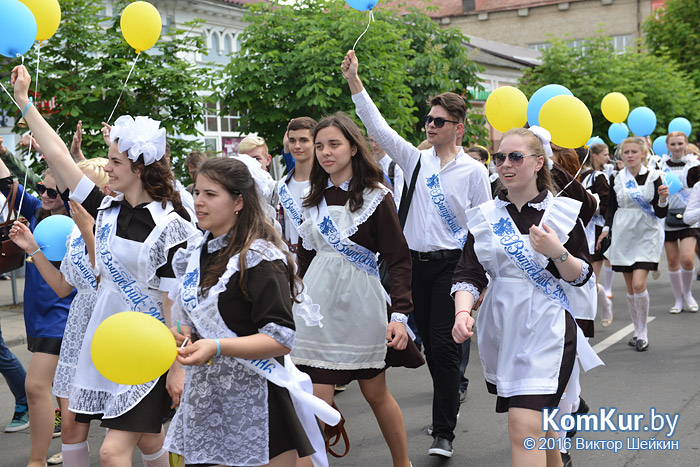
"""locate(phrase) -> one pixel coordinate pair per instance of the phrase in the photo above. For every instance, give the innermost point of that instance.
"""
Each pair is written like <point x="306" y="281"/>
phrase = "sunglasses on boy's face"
<point x="516" y="158"/>
<point x="50" y="192"/>
<point x="439" y="122"/>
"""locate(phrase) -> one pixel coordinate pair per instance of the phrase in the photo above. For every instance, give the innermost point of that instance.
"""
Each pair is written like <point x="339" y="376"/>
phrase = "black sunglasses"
<point x="439" y="122"/>
<point x="50" y="192"/>
<point x="516" y="158"/>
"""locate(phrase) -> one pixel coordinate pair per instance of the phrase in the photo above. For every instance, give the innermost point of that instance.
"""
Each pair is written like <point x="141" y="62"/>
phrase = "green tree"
<point x="675" y="32"/>
<point x="593" y="71"/>
<point x="289" y="66"/>
<point x="83" y="67"/>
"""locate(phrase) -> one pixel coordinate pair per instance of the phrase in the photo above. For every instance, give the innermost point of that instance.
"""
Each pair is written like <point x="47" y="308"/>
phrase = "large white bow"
<point x="545" y="137"/>
<point x="140" y="136"/>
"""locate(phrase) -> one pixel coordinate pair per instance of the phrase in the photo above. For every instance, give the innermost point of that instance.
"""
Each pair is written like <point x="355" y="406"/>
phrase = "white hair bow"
<point x="261" y="177"/>
<point x="545" y="137"/>
<point x="140" y="136"/>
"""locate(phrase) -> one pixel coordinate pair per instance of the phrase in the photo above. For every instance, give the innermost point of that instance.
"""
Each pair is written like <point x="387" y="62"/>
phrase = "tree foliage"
<point x="595" y="70"/>
<point x="289" y="66"/>
<point x="675" y="32"/>
<point x="83" y="66"/>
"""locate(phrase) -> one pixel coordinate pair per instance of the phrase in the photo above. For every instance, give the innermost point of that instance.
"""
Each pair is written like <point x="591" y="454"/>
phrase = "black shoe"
<point x="582" y="409"/>
<point x="632" y="342"/>
<point x="641" y="345"/>
<point x="566" y="459"/>
<point x="441" y="447"/>
<point x="462" y="395"/>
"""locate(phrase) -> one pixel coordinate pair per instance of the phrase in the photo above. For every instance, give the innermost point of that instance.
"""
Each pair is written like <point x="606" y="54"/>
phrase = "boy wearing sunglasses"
<point x="448" y="182"/>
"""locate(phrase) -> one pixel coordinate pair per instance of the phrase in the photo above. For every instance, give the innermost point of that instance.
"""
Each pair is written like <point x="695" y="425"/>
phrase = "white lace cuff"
<point x="584" y="273"/>
<point x="465" y="286"/>
<point x="401" y="318"/>
<point x="309" y="311"/>
<point x="281" y="334"/>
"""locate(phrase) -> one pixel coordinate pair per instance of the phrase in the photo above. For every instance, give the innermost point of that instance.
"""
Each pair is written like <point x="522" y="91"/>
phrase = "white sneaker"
<point x="56" y="459"/>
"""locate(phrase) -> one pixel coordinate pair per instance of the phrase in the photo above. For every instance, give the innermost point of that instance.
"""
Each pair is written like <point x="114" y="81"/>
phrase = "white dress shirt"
<point x="464" y="181"/>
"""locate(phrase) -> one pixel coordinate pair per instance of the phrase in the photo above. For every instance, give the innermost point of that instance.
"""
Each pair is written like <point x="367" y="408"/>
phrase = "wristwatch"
<point x="562" y="258"/>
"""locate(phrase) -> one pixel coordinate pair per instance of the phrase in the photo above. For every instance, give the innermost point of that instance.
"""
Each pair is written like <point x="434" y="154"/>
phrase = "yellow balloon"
<point x="615" y="107"/>
<point x="47" y="14"/>
<point x="506" y="108"/>
<point x="141" y="25"/>
<point x="132" y="348"/>
<point x="568" y="120"/>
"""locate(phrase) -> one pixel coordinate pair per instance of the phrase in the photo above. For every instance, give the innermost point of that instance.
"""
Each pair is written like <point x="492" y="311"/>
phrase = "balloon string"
<point x="31" y="135"/>
<point x="369" y="20"/>
<point x="123" y="88"/>
<point x="10" y="96"/>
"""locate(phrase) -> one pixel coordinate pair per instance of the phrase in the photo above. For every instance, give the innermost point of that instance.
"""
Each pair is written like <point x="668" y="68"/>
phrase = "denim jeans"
<point x="13" y="371"/>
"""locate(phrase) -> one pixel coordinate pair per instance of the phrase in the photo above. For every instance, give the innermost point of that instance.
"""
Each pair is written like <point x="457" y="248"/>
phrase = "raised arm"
<point x="397" y="148"/>
<point x="55" y="151"/>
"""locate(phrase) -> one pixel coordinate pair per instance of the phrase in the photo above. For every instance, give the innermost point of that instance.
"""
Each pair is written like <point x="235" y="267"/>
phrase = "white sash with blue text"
<point x="447" y="216"/>
<point x="210" y="325"/>
<point x="290" y="205"/>
<point x="80" y="259"/>
<point x="520" y="255"/>
<point x="125" y="284"/>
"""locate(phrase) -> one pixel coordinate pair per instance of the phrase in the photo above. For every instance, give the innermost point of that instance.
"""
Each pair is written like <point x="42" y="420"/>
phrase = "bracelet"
<point x="26" y="108"/>
<point x="218" y="348"/>
<point x="463" y="311"/>
<point x="37" y="251"/>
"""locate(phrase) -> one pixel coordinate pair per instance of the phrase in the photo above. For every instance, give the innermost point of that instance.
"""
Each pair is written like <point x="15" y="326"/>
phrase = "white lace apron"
<point x="78" y="272"/>
<point x="521" y="329"/>
<point x="352" y="302"/>
<point x="636" y="235"/>
<point x="223" y="414"/>
<point x="133" y="265"/>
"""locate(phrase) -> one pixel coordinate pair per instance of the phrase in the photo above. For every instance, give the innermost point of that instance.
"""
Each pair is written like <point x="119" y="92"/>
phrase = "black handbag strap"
<point x="406" y="199"/>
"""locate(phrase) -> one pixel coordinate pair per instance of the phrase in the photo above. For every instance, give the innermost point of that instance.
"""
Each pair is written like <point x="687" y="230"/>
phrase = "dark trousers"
<point x="463" y="380"/>
<point x="435" y="316"/>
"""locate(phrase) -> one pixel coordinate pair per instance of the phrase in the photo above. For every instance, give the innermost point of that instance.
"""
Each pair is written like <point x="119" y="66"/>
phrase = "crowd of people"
<point x="367" y="252"/>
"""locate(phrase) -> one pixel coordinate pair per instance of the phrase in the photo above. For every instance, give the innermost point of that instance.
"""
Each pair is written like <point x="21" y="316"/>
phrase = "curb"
<point x="15" y="341"/>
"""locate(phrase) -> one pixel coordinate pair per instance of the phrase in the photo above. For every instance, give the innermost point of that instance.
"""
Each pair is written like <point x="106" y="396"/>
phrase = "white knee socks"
<point x="157" y="459"/>
<point x="604" y="305"/>
<point x="609" y="274"/>
<point x="675" y="277"/>
<point x="76" y="455"/>
<point x="631" y="305"/>
<point x="687" y="277"/>
<point x="642" y="311"/>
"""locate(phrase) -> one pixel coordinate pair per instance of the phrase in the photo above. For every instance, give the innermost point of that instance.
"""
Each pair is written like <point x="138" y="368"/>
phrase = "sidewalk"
<point x="11" y="315"/>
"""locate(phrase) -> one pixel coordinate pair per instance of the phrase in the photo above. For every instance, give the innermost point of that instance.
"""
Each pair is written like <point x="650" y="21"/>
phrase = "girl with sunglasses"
<point x="528" y="339"/>
<point x="45" y="315"/>
<point x="638" y="200"/>
<point x="348" y="215"/>
<point x="137" y="233"/>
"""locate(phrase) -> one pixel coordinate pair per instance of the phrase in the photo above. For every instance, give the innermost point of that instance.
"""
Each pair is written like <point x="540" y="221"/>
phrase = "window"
<point x="220" y="132"/>
<point x="539" y="46"/>
<point x="621" y="42"/>
<point x="211" y="117"/>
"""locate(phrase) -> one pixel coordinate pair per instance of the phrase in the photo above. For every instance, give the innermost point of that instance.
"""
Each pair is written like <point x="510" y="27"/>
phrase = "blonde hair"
<point x="251" y="142"/>
<point x="641" y="142"/>
<point x="94" y="169"/>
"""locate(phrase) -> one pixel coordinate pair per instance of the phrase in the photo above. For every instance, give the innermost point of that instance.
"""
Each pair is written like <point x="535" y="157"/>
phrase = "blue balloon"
<point x="618" y="132"/>
<point x="541" y="96"/>
<point x="51" y="234"/>
<point x="659" y="146"/>
<point x="680" y="124"/>
<point x="594" y="140"/>
<point x="673" y="183"/>
<point x="362" y="5"/>
<point x="642" y="121"/>
<point x="17" y="28"/>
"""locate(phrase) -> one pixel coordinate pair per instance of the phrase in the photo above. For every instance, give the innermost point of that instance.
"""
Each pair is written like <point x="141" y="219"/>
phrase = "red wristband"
<point x="463" y="311"/>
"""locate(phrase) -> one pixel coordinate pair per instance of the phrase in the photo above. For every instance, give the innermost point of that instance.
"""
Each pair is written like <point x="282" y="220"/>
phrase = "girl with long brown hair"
<point x="136" y="232"/>
<point x="348" y="219"/>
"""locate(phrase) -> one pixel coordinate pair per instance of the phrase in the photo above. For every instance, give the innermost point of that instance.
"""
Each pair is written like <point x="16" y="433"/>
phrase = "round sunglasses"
<point x="516" y="158"/>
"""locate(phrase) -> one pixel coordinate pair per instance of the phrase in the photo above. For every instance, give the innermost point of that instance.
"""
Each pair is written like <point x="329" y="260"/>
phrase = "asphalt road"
<point x="666" y="379"/>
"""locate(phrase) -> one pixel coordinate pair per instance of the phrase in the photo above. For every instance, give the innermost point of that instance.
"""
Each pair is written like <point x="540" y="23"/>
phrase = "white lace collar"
<point x="540" y="206"/>
<point x="217" y="243"/>
<point x="345" y="186"/>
